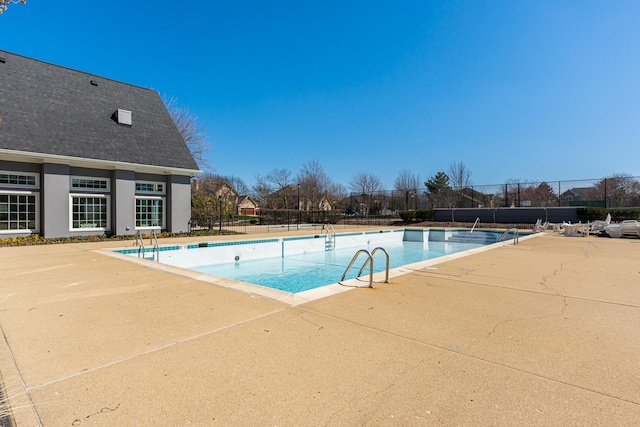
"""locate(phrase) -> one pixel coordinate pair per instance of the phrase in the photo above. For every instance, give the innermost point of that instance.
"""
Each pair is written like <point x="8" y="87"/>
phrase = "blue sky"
<point x="525" y="90"/>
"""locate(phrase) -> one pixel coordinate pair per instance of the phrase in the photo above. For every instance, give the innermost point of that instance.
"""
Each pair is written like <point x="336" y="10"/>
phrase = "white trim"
<point x="90" y="178"/>
<point x="36" y="186"/>
<point x="143" y="192"/>
<point x="35" y="230"/>
<point x="92" y="196"/>
<point x="164" y="212"/>
<point x="25" y="156"/>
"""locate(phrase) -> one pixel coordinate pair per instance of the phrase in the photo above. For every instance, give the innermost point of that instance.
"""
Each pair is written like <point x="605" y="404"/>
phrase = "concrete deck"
<point x="541" y="333"/>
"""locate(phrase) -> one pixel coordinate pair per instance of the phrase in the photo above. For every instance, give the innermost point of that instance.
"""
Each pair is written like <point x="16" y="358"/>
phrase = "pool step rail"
<point x="516" y="235"/>
<point x="369" y="262"/>
<point x="153" y="242"/>
<point x="329" y="237"/>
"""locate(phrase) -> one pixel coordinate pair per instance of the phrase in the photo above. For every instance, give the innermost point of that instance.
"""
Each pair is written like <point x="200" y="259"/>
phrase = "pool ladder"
<point x="516" y="235"/>
<point x="153" y="241"/>
<point x="329" y="238"/>
<point x="369" y="261"/>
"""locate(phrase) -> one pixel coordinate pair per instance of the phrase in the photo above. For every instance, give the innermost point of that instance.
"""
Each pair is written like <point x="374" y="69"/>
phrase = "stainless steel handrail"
<point x="369" y="260"/>
<point x="373" y="252"/>
<point x="474" y="225"/>
<point x="516" y="235"/>
<point x="153" y="236"/>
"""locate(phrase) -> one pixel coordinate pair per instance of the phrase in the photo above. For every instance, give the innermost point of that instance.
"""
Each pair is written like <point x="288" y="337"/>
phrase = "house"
<point x="246" y="205"/>
<point x="576" y="194"/>
<point x="81" y="154"/>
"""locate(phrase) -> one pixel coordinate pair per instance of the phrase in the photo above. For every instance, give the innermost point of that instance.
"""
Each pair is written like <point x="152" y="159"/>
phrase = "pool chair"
<point x="539" y="226"/>
<point x="559" y="227"/>
<point x="576" y="230"/>
<point x="598" y="226"/>
<point x="625" y="228"/>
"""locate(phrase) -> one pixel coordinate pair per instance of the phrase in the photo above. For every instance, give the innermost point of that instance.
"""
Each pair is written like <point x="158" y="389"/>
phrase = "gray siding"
<point x="123" y="196"/>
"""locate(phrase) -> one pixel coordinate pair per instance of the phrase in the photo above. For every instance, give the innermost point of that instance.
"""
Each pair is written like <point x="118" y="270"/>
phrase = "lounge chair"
<point x="559" y="227"/>
<point x="598" y="226"/>
<point x="539" y="226"/>
<point x="576" y="230"/>
<point x="625" y="228"/>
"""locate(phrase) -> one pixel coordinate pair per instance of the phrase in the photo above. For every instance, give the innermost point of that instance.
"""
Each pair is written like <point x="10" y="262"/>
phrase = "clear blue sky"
<point x="528" y="90"/>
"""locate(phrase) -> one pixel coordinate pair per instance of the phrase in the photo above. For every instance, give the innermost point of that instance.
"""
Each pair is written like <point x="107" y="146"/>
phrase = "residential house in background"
<point x="575" y="196"/>
<point x="82" y="154"/>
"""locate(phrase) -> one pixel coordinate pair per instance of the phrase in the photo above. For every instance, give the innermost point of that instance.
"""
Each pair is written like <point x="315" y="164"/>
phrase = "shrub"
<point x="425" y="214"/>
<point x="407" y="216"/>
<point x="593" y="214"/>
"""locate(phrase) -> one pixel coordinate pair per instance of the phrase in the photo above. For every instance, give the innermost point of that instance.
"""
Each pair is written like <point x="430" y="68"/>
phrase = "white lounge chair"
<point x="559" y="227"/>
<point x="580" y="230"/>
<point x="625" y="228"/>
<point x="597" y="226"/>
<point x="537" y="224"/>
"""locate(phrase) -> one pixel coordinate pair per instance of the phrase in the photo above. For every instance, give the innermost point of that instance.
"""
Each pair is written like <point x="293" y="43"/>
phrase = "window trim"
<point x="144" y="192"/>
<point x="164" y="212"/>
<point x="36" y="186"/>
<point x="35" y="230"/>
<point x="95" y="196"/>
<point x="90" y="178"/>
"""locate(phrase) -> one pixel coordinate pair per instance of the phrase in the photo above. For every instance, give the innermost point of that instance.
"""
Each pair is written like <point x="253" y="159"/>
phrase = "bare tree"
<point x="338" y="194"/>
<point x="260" y="191"/>
<point x="407" y="181"/>
<point x="365" y="183"/>
<point x="314" y="184"/>
<point x="459" y="175"/>
<point x="618" y="190"/>
<point x="275" y="189"/>
<point x="192" y="130"/>
<point x="4" y="4"/>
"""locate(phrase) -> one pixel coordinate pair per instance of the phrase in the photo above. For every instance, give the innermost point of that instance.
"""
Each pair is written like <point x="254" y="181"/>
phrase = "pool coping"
<point x="294" y="299"/>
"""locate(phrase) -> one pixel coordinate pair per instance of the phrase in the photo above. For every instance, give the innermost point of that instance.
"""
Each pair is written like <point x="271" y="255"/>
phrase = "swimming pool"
<point x="301" y="263"/>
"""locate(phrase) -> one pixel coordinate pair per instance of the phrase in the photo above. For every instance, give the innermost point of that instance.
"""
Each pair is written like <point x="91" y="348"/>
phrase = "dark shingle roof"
<point x="57" y="111"/>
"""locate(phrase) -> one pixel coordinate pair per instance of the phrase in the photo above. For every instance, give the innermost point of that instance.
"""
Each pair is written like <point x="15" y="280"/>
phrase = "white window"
<point x="89" y="212"/>
<point x="149" y="212"/>
<point x="18" y="212"/>
<point x="13" y="179"/>
<point x="150" y="187"/>
<point x="89" y="184"/>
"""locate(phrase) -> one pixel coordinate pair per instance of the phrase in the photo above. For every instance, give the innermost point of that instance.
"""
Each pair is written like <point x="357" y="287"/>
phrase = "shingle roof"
<point x="58" y="111"/>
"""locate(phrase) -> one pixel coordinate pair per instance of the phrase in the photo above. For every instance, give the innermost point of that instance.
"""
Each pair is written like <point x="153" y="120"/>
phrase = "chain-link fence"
<point x="614" y="192"/>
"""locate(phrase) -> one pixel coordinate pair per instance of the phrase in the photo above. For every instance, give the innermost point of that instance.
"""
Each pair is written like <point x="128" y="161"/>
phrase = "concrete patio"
<point x="544" y="333"/>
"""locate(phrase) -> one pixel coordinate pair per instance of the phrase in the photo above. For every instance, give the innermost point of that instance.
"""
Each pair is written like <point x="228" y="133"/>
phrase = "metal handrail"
<point x="474" y="225"/>
<point x="370" y="260"/>
<point x="330" y="238"/>
<point x="373" y="252"/>
<point x="516" y="235"/>
<point x="153" y="236"/>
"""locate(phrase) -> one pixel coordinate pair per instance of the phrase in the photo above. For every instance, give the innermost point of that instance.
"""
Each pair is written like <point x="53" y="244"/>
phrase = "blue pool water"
<point x="297" y="273"/>
<point x="299" y="263"/>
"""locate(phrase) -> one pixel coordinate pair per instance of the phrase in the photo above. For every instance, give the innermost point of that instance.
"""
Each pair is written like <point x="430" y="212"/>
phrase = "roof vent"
<point x="2" y="59"/>
<point x="94" y="83"/>
<point x="124" y="117"/>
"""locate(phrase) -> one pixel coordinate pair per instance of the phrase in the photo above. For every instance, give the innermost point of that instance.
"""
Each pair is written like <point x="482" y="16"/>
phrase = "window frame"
<point x="36" y="186"/>
<point x="89" y="178"/>
<point x="107" y="197"/>
<point x="135" y="212"/>
<point x="36" y="203"/>
<point x="151" y="192"/>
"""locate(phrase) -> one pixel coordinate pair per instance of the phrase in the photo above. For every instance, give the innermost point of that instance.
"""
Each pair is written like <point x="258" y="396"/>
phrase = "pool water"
<point x="301" y="272"/>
